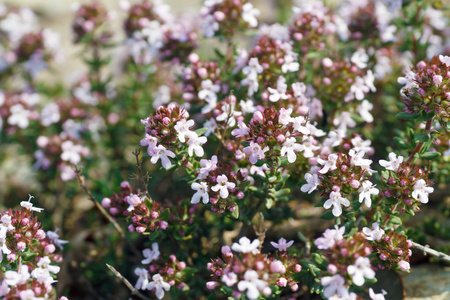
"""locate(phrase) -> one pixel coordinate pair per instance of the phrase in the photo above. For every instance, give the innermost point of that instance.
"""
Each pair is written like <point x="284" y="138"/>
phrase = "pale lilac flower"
<point x="359" y="88"/>
<point x="369" y="79"/>
<point x="4" y="289"/>
<point x="421" y="191"/>
<point x="229" y="278"/>
<point x="207" y="166"/>
<point x="255" y="152"/>
<point x="162" y="153"/>
<point x="344" y="120"/>
<point x="252" y="82"/>
<point x="365" y="191"/>
<point x="247" y="107"/>
<point x="14" y="278"/>
<point x="356" y="159"/>
<point x="329" y="164"/>
<point x="360" y="270"/>
<point x="289" y="148"/>
<point x="159" y="285"/>
<point x="3" y="248"/>
<point x="54" y="237"/>
<point x="360" y="145"/>
<point x="336" y="200"/>
<point x="282" y="245"/>
<point x="298" y="125"/>
<point x="182" y="128"/>
<point x="312" y="182"/>
<point x="240" y="60"/>
<point x="143" y="278"/>
<point x="252" y="284"/>
<point x="290" y="64"/>
<point x="375" y="234"/>
<point x="253" y="67"/>
<point x="379" y="296"/>
<point x="393" y="163"/>
<point x="211" y="126"/>
<point x="334" y="286"/>
<point x="28" y="205"/>
<point x="202" y="192"/>
<point x="408" y="80"/>
<point x="209" y="26"/>
<point x="151" y="255"/>
<point x="280" y="91"/>
<point x="249" y="14"/>
<point x="242" y="131"/>
<point x="223" y="185"/>
<point x="50" y="114"/>
<point x="330" y="236"/>
<point x="151" y="142"/>
<point x="133" y="200"/>
<point x="208" y="91"/>
<point x="285" y="116"/>
<point x="71" y="152"/>
<point x="228" y="114"/>
<point x="360" y="58"/>
<point x="245" y="246"/>
<point x="308" y="146"/>
<point x="6" y="223"/>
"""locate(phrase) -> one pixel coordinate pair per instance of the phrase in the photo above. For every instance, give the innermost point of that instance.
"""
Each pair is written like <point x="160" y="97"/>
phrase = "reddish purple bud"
<point x="125" y="185"/>
<point x="259" y="265"/>
<point x="181" y="265"/>
<point x="106" y="202"/>
<point x="40" y="234"/>
<point x="332" y="268"/>
<point x="50" y="248"/>
<point x="383" y="256"/>
<point x="173" y="258"/>
<point x="277" y="267"/>
<point x="131" y="228"/>
<point x="21" y="245"/>
<point x="163" y="225"/>
<point x="154" y="215"/>
<point x="211" y="285"/>
<point x="140" y="229"/>
<point x="298" y="268"/>
<point x="294" y="287"/>
<point x="282" y="282"/>
<point x="226" y="251"/>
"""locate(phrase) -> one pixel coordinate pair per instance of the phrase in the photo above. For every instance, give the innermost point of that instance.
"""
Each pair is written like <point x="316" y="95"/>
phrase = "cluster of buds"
<point x="223" y="17"/>
<point x="393" y="248"/>
<point x="201" y="83"/>
<point x="144" y="216"/>
<point x="166" y="128"/>
<point x="90" y="23"/>
<point x="252" y="272"/>
<point x="427" y="88"/>
<point x="340" y="177"/>
<point x="348" y="261"/>
<point x="312" y="26"/>
<point x="269" y="56"/>
<point x="163" y="272"/>
<point x="24" y="42"/>
<point x="29" y="268"/>
<point x="344" y="80"/>
<point x="217" y="184"/>
<point x="151" y="32"/>
<point x="405" y="186"/>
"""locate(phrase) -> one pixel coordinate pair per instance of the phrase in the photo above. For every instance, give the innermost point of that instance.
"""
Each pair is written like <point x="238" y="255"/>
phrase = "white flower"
<point x="252" y="82"/>
<point x="298" y="125"/>
<point x="360" y="58"/>
<point x="372" y="294"/>
<point x="393" y="163"/>
<point x="445" y="60"/>
<point x="334" y="286"/>
<point x="330" y="236"/>
<point x="336" y="200"/>
<point x="312" y="182"/>
<point x="249" y="14"/>
<point x="151" y="142"/>
<point x="247" y="107"/>
<point x="28" y="205"/>
<point x="375" y="234"/>
<point x="19" y="116"/>
<point x="356" y="159"/>
<point x="253" y="67"/>
<point x="421" y="191"/>
<point x="228" y="114"/>
<point x="223" y="185"/>
<point x="71" y="152"/>
<point x="229" y="279"/>
<point x="364" y="110"/>
<point x="359" y="88"/>
<point x="252" y="284"/>
<point x="182" y="128"/>
<point x="408" y="80"/>
<point x="194" y="144"/>
<point x="211" y="124"/>
<point x="285" y="116"/>
<point x="344" y="120"/>
<point x="329" y="164"/>
<point x="280" y="91"/>
<point x="143" y="278"/>
<point x="208" y="91"/>
<point x="50" y="114"/>
<point x="14" y="278"/>
<point x="360" y="270"/>
<point x="255" y="152"/>
<point x="282" y="245"/>
<point x="365" y="191"/>
<point x="158" y="284"/>
<point x="360" y="145"/>
<point x="290" y="64"/>
<point x="308" y="146"/>
<point x="151" y="255"/>
<point x="3" y="248"/>
<point x="162" y="153"/>
<point x="208" y="166"/>
<point x="245" y="246"/>
<point x="289" y="146"/>
<point x="202" y="192"/>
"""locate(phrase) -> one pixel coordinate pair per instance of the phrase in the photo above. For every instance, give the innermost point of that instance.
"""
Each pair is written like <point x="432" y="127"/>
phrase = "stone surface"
<point x="427" y="282"/>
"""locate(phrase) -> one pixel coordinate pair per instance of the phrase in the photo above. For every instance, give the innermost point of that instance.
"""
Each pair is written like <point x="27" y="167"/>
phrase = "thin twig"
<point x="133" y="290"/>
<point x="141" y="177"/>
<point x="429" y="251"/>
<point x="97" y="205"/>
<point x="419" y="145"/>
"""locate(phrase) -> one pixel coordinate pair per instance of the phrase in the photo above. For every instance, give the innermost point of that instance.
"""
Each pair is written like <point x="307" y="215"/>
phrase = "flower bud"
<point x="332" y="268"/>
<point x="404" y="265"/>
<point x="211" y="285"/>
<point x="282" y="282"/>
<point x="163" y="225"/>
<point x="106" y="202"/>
<point x="277" y="267"/>
<point x="50" y="248"/>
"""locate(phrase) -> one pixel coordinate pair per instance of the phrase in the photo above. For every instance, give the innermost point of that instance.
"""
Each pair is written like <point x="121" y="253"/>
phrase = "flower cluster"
<point x="144" y="216"/>
<point x="252" y="272"/>
<point x="90" y="23"/>
<point x="163" y="272"/>
<point x="223" y="17"/>
<point x="405" y="186"/>
<point x="427" y="89"/>
<point x="29" y="269"/>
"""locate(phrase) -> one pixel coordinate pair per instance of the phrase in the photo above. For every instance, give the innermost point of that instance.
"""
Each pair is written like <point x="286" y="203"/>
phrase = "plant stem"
<point x="429" y="251"/>
<point x="419" y="145"/>
<point x="133" y="290"/>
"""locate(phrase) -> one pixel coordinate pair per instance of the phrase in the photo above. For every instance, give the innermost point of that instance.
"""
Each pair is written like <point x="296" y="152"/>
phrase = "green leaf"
<point x="395" y="220"/>
<point x="327" y="215"/>
<point x="428" y="116"/>
<point x="422" y="137"/>
<point x="27" y="255"/>
<point x="430" y="155"/>
<point x="235" y="213"/>
<point x="165" y="215"/>
<point x="201" y="131"/>
<point x="260" y="163"/>
<point x="269" y="203"/>
<point x="406" y="116"/>
<point x="148" y="203"/>
<point x="401" y="143"/>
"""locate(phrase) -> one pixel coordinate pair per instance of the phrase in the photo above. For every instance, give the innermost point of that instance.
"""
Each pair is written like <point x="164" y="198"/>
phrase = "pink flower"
<point x="162" y="153"/>
<point x="223" y="186"/>
<point x="255" y="152"/>
<point x="282" y="245"/>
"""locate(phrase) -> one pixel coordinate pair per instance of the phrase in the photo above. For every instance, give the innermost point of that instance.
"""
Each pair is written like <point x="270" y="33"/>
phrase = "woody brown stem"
<point x="419" y="145"/>
<point x="133" y="290"/>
